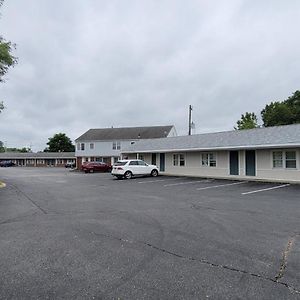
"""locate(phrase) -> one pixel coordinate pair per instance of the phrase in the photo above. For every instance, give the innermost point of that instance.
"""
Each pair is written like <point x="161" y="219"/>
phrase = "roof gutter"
<point x="245" y="147"/>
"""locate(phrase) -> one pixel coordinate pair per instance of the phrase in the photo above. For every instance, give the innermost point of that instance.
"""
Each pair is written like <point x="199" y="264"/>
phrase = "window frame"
<point x="209" y="159"/>
<point x="116" y="145"/>
<point x="285" y="160"/>
<point x="179" y="160"/>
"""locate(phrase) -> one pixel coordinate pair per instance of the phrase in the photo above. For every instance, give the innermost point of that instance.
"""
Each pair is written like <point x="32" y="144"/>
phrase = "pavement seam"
<point x="203" y="261"/>
<point x="28" y="198"/>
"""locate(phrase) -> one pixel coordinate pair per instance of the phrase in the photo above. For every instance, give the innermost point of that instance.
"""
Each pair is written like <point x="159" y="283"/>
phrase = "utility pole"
<point x="190" y="119"/>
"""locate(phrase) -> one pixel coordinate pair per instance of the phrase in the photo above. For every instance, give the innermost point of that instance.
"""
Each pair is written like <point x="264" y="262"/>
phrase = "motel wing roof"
<point x="125" y="133"/>
<point x="269" y="137"/>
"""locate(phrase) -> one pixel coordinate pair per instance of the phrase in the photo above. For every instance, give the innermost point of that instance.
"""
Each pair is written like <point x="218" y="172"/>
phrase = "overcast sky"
<point x="102" y="63"/>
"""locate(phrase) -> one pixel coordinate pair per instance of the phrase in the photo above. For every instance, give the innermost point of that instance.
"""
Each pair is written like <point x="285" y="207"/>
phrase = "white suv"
<point x="133" y="167"/>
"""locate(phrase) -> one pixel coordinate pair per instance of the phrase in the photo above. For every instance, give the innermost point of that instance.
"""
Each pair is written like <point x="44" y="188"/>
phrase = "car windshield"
<point x="120" y="163"/>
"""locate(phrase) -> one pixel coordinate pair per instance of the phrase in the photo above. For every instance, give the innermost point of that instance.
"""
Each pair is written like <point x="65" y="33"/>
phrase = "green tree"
<point x="2" y="149"/>
<point x="282" y="112"/>
<point x="7" y="60"/>
<point x="60" y="143"/>
<point x="247" y="121"/>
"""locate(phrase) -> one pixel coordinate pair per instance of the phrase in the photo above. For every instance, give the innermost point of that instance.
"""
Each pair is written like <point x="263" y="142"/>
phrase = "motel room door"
<point x="234" y="162"/>
<point x="162" y="161"/>
<point x="250" y="163"/>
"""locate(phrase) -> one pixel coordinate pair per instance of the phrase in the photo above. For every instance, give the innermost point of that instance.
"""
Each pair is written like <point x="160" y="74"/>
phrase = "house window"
<point x="78" y="146"/>
<point x="82" y="146"/>
<point x="91" y="146"/>
<point x="116" y="145"/>
<point x="178" y="160"/>
<point x="290" y="159"/>
<point x="284" y="159"/>
<point x="209" y="160"/>
<point x="277" y="159"/>
<point x="141" y="157"/>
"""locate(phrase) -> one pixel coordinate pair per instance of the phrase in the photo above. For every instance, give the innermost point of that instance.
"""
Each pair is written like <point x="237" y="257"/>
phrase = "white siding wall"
<point x="193" y="165"/>
<point x="264" y="166"/>
<point x="101" y="148"/>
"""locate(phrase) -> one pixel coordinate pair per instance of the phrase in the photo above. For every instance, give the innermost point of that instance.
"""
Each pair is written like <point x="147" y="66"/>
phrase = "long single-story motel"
<point x="271" y="154"/>
<point x="40" y="159"/>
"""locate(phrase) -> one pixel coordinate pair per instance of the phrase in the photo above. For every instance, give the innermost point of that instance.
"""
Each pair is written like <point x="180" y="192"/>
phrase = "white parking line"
<point x="267" y="189"/>
<point x="189" y="182"/>
<point x="150" y="181"/>
<point x="221" y="185"/>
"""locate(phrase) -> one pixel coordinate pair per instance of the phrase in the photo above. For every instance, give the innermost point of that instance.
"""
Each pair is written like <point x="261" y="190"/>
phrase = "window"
<point x="209" y="160"/>
<point x="178" y="160"/>
<point x="141" y="157"/>
<point x="78" y="146"/>
<point x="82" y="146"/>
<point x="116" y="145"/>
<point x="290" y="159"/>
<point x="133" y="163"/>
<point x="91" y="146"/>
<point x="285" y="159"/>
<point x="277" y="159"/>
<point x="141" y="163"/>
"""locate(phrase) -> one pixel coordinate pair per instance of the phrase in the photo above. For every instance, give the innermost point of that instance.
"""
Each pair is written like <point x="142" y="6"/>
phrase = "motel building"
<point x="106" y="144"/>
<point x="39" y="159"/>
<point x="270" y="154"/>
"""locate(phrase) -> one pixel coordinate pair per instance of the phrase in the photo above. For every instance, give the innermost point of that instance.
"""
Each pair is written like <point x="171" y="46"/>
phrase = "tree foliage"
<point x="20" y="150"/>
<point x="7" y="60"/>
<point x="247" y="121"/>
<point x="60" y="143"/>
<point x="282" y="113"/>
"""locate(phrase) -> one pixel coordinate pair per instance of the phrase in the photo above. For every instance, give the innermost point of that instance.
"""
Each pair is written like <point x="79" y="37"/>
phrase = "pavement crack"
<point x="285" y="255"/>
<point x="28" y="198"/>
<point x="292" y="289"/>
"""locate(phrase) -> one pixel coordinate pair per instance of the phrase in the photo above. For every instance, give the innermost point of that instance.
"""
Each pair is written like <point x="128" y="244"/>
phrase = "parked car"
<point x="133" y="167"/>
<point x="6" y="163"/>
<point x="91" y="167"/>
<point x="70" y="165"/>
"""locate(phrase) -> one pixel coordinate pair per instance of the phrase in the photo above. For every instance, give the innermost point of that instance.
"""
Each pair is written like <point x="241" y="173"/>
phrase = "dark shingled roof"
<point x="259" y="138"/>
<point x="125" y="133"/>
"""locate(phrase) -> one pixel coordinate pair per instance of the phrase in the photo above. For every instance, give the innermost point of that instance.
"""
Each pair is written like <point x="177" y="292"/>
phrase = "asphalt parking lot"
<point x="70" y="235"/>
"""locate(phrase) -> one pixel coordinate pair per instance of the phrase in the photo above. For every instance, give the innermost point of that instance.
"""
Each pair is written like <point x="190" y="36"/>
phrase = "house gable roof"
<point x="269" y="137"/>
<point x="125" y="133"/>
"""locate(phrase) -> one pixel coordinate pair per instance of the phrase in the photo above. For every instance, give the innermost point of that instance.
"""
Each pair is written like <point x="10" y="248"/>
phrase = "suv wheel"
<point x="154" y="173"/>
<point x="128" y="175"/>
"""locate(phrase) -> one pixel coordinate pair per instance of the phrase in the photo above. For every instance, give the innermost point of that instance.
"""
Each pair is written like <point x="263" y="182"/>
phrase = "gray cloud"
<point x="88" y="64"/>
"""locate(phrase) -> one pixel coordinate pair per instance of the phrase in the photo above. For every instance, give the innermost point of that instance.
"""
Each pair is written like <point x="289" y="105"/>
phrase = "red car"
<point x="91" y="167"/>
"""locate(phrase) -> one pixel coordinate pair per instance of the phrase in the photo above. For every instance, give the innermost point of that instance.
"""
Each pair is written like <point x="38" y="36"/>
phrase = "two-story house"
<point x="105" y="144"/>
